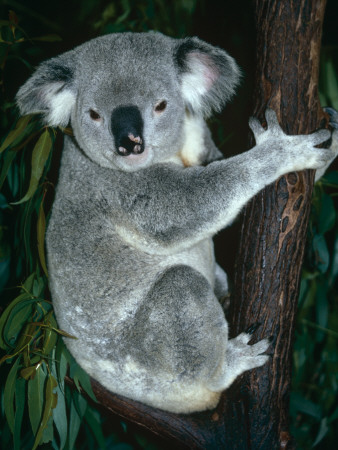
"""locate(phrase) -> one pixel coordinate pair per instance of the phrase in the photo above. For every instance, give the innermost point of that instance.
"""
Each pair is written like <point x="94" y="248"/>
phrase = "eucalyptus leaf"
<point x="92" y="417"/>
<point x="77" y="410"/>
<point x="18" y="131"/>
<point x="20" y="398"/>
<point x="81" y="377"/>
<point x="38" y="287"/>
<point x="28" y="284"/>
<point x="49" y="340"/>
<point x="7" y="161"/>
<point x="327" y="214"/>
<point x="9" y="393"/>
<point x="36" y="398"/>
<point x="303" y="405"/>
<point x="28" y="372"/>
<point x="323" y="429"/>
<point x="60" y="416"/>
<point x="330" y="178"/>
<point x="5" y="315"/>
<point x="48" y="406"/>
<point x="41" y="229"/>
<point x="61" y="360"/>
<point x="332" y="83"/>
<point x="334" y="262"/>
<point x="17" y="318"/>
<point x="39" y="158"/>
<point x="321" y="252"/>
<point x="48" y="432"/>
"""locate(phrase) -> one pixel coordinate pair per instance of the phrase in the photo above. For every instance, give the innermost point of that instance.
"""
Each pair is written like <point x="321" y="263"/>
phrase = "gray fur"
<point x="130" y="253"/>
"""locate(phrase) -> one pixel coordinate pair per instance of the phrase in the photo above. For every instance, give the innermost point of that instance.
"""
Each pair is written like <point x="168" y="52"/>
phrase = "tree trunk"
<point x="253" y="413"/>
<point x="274" y="228"/>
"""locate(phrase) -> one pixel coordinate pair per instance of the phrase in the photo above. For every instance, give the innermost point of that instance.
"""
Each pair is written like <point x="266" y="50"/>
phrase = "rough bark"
<point x="274" y="226"/>
<point x="253" y="413"/>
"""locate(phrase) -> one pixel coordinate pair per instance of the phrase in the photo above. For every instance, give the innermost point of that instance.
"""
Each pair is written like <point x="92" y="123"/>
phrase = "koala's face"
<point x="126" y="95"/>
<point x="129" y="109"/>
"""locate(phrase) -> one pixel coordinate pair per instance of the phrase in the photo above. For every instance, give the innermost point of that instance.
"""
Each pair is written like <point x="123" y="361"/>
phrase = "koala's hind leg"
<point x="179" y="336"/>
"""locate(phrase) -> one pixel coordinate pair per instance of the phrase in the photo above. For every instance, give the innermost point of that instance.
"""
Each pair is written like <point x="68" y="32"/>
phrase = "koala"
<point x="142" y="189"/>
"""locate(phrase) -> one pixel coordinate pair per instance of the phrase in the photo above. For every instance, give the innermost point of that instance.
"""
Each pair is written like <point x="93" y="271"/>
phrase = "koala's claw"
<point x="252" y="328"/>
<point x="333" y="116"/>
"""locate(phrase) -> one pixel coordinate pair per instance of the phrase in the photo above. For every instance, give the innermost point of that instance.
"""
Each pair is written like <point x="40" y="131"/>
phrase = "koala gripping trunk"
<point x="253" y="414"/>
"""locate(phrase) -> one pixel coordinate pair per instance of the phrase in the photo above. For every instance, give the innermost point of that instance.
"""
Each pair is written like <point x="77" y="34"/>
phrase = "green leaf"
<point x="60" y="416"/>
<point x="334" y="263"/>
<point x="332" y="83"/>
<point x="61" y="360"/>
<point x="7" y="161"/>
<point x="20" y="397"/>
<point x="330" y="178"/>
<point x="26" y="336"/>
<point x="39" y="158"/>
<point x="16" y="133"/>
<point x="77" y="410"/>
<point x="9" y="393"/>
<point x="19" y="315"/>
<point x="323" y="429"/>
<point x="36" y="398"/>
<point x="327" y="216"/>
<point x="28" y="372"/>
<point x="303" y="405"/>
<point x="81" y="377"/>
<point x="28" y="284"/>
<point x="38" y="287"/>
<point x="94" y="421"/>
<point x="41" y="229"/>
<point x="321" y="252"/>
<point x="5" y="315"/>
<point x="48" y="432"/>
<point x="50" y="403"/>
<point x="48" y="38"/>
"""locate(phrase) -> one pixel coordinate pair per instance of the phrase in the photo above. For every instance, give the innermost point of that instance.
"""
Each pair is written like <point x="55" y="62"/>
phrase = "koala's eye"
<point x="161" y="106"/>
<point x="94" y="115"/>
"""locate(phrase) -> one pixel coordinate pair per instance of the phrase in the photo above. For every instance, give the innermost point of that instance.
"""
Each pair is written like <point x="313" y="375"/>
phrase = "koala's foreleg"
<point x="166" y="210"/>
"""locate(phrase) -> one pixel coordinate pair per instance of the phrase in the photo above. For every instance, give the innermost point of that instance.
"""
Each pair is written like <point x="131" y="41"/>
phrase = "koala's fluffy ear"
<point x="50" y="91"/>
<point x="208" y="75"/>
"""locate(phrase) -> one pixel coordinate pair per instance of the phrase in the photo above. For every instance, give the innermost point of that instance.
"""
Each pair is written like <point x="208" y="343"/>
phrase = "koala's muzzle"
<point x="127" y="128"/>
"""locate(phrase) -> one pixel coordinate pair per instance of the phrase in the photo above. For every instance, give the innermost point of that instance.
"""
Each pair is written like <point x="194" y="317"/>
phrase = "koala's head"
<point x="126" y="95"/>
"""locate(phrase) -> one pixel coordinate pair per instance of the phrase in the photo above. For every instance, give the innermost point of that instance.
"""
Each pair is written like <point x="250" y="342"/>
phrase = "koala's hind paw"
<point x="242" y="356"/>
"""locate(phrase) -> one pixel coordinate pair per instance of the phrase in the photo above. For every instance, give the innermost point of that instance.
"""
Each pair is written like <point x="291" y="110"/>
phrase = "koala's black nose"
<point x="127" y="128"/>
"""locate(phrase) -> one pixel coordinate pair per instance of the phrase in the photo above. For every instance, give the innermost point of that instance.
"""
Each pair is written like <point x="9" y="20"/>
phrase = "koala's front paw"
<point x="293" y="153"/>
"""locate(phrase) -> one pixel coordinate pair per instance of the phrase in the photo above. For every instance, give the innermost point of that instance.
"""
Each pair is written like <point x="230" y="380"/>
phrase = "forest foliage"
<point x="46" y="397"/>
